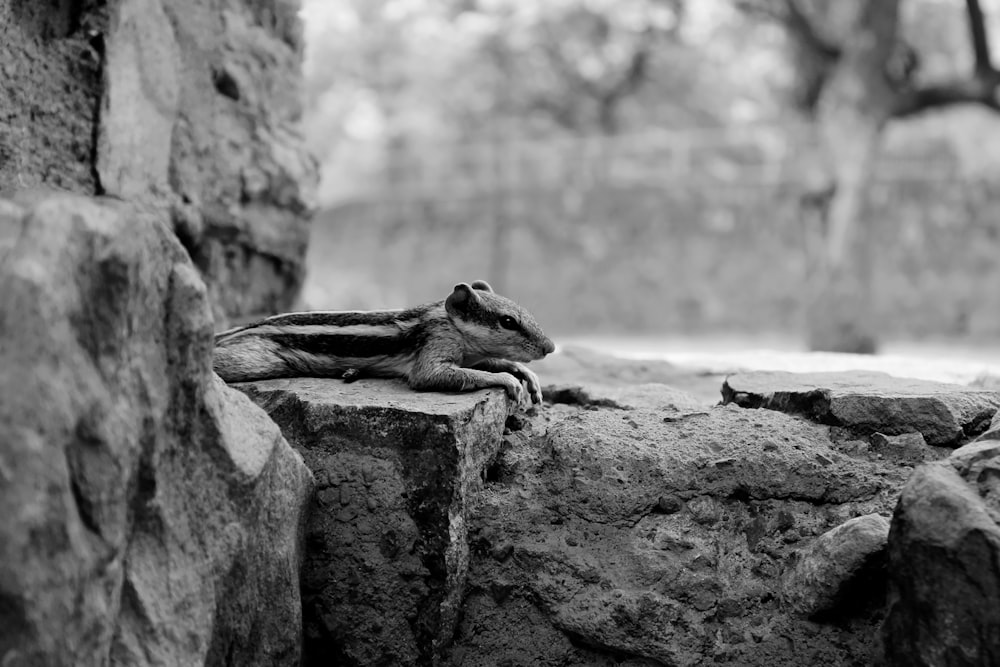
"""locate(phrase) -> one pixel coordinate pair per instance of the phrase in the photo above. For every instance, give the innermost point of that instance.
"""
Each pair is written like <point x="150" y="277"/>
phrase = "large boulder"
<point x="152" y="515"/>
<point x="944" y="560"/>
<point x="867" y="402"/>
<point x="190" y="104"/>
<point x="397" y="473"/>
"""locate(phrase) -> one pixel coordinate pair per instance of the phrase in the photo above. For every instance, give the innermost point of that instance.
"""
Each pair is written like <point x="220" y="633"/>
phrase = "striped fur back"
<point x="323" y="343"/>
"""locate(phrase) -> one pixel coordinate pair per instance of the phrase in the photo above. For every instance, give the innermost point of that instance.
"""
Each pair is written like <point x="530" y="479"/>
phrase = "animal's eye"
<point x="508" y="322"/>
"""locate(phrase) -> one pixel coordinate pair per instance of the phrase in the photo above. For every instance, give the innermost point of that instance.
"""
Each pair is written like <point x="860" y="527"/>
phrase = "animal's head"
<point x="495" y="325"/>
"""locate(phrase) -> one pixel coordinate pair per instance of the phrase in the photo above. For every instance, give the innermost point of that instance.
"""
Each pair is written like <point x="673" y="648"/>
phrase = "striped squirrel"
<point x="473" y="339"/>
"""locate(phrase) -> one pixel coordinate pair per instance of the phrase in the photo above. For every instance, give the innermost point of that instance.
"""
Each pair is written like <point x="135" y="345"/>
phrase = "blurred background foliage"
<point x="639" y="166"/>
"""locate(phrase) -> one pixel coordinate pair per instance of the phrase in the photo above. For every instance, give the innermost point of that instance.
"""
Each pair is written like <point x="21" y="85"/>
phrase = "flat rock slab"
<point x="387" y="551"/>
<point x="869" y="402"/>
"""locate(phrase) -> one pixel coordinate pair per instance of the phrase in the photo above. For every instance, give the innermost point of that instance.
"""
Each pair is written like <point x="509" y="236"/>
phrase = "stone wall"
<point x="191" y="105"/>
<point x="152" y="185"/>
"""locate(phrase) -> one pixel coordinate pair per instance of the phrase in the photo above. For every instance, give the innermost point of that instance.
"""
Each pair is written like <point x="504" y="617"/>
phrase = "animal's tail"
<point x="223" y="336"/>
<point x="248" y="357"/>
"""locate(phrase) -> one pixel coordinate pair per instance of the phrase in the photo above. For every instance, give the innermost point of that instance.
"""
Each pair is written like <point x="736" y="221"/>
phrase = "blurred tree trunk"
<point x="855" y="74"/>
<point x="852" y="110"/>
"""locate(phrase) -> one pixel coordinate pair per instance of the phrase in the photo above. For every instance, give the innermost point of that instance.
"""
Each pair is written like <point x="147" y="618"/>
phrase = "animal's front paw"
<point x="534" y="384"/>
<point x="513" y="387"/>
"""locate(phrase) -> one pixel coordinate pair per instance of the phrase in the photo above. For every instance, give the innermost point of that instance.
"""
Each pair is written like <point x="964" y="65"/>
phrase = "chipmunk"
<point x="473" y="339"/>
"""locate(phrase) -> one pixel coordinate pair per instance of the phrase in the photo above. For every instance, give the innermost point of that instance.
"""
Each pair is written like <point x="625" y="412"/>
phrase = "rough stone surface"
<point x="838" y="566"/>
<point x="907" y="448"/>
<point x="944" y="560"/>
<point x="388" y="550"/>
<point x="869" y="402"/>
<point x="654" y="536"/>
<point x="993" y="432"/>
<point x="647" y="395"/>
<point x="152" y="516"/>
<point x="188" y="104"/>
<point x="50" y="90"/>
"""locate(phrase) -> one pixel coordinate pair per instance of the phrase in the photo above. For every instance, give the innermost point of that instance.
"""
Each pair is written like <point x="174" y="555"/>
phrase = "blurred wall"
<point x="636" y="241"/>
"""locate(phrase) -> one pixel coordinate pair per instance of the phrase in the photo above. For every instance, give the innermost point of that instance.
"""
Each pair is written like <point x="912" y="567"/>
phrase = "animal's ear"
<point x="462" y="299"/>
<point x="482" y="286"/>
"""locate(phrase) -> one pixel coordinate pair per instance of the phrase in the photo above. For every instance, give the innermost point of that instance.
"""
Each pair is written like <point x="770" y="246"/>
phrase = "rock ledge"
<point x="387" y="541"/>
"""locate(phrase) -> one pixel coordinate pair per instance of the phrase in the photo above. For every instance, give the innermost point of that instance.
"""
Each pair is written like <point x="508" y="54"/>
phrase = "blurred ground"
<point x="944" y="361"/>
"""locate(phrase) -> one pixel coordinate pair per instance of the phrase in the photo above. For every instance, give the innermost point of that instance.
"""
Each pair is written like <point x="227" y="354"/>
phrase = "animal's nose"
<point x="548" y="347"/>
